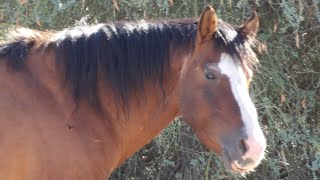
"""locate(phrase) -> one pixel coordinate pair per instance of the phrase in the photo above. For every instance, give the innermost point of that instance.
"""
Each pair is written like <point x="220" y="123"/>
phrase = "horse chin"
<point x="232" y="166"/>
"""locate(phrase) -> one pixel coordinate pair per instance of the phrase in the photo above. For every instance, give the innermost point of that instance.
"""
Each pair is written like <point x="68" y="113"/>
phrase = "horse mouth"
<point x="232" y="165"/>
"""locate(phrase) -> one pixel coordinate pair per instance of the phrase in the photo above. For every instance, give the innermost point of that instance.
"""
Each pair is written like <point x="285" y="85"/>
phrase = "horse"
<point x="76" y="104"/>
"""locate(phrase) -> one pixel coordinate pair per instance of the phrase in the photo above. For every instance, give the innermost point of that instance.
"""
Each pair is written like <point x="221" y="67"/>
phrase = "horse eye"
<point x="210" y="76"/>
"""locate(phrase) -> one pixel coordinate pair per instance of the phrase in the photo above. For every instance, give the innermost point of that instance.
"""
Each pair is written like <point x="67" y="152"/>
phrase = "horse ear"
<point x="207" y="25"/>
<point x="250" y="27"/>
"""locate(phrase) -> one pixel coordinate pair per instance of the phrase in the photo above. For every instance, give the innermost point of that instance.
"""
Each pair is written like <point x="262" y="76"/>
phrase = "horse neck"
<point x="123" y="134"/>
<point x="150" y="114"/>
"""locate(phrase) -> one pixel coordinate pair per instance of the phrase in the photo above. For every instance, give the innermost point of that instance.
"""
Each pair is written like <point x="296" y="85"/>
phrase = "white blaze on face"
<point x="233" y="70"/>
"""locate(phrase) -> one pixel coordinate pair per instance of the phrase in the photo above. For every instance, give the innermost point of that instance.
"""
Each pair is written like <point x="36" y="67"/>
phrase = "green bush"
<point x="286" y="87"/>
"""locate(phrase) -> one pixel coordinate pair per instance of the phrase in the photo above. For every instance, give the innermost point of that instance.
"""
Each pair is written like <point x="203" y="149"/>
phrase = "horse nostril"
<point x="243" y="146"/>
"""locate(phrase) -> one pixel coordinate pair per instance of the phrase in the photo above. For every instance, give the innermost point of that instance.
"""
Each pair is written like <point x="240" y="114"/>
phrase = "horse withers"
<point x="76" y="104"/>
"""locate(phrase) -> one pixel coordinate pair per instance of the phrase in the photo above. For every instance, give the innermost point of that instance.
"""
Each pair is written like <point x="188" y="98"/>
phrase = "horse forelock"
<point x="237" y="45"/>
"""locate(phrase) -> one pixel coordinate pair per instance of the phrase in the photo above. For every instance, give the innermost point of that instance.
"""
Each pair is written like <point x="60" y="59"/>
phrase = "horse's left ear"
<point x="250" y="27"/>
<point x="207" y="24"/>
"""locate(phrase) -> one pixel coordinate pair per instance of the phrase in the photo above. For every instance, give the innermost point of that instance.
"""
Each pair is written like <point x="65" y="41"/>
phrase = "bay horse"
<point x="76" y="104"/>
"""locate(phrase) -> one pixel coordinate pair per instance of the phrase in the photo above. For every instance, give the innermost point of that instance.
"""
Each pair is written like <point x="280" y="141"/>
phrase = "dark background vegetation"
<point x="286" y="87"/>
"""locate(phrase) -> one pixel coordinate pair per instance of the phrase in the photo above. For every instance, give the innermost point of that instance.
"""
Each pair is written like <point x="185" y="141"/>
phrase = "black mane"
<point x="127" y="54"/>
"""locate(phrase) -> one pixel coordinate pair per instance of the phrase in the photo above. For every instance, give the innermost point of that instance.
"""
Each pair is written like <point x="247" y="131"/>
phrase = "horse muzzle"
<point x="244" y="155"/>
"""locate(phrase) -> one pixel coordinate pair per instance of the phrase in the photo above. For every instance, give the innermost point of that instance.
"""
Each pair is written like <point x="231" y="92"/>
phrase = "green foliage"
<point x="286" y="87"/>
